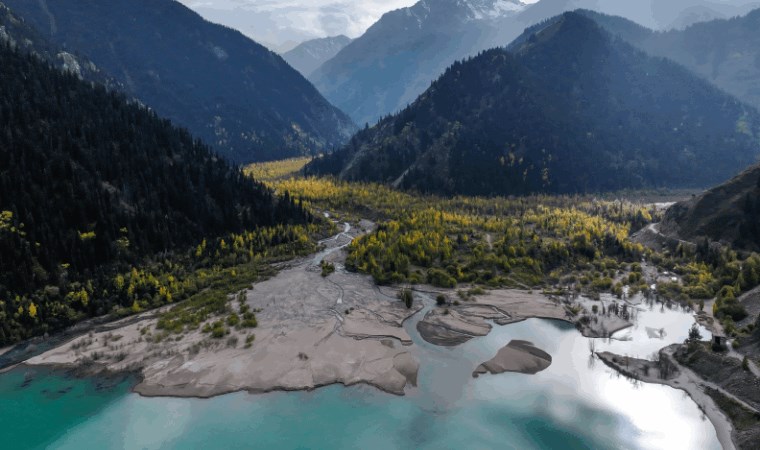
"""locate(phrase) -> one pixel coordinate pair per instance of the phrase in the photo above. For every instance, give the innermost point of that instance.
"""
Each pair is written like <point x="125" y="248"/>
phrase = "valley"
<point x="471" y="224"/>
<point x="323" y="319"/>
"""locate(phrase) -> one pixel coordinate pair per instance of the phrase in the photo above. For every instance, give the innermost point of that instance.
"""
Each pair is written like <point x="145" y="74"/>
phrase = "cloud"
<point x="281" y="23"/>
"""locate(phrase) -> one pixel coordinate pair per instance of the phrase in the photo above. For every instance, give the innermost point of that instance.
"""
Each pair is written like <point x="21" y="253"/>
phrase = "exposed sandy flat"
<point x="517" y="356"/>
<point x="313" y="331"/>
<point x="453" y="325"/>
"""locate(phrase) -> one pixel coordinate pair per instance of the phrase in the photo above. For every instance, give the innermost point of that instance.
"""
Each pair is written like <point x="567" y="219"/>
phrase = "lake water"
<point x="576" y="403"/>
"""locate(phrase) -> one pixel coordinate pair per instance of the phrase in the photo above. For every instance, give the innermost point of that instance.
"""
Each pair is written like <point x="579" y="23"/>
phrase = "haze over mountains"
<point x="236" y="95"/>
<point x="569" y="108"/>
<point x="397" y="58"/>
<point x="725" y="52"/>
<point x="309" y="55"/>
<point x="282" y="25"/>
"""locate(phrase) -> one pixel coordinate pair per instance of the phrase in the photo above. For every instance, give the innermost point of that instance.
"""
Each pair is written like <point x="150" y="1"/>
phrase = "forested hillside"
<point x="568" y="108"/>
<point x="239" y="97"/>
<point x="90" y="185"/>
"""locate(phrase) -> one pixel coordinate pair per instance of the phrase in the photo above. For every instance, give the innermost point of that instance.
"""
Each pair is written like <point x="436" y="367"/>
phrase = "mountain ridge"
<point x="235" y="94"/>
<point x="572" y="109"/>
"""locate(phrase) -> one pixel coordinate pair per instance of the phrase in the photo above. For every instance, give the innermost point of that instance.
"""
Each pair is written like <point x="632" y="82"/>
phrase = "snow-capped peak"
<point x="492" y="9"/>
<point x="467" y="10"/>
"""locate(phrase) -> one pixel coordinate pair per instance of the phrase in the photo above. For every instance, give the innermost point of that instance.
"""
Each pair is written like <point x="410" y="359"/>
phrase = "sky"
<point x="282" y="24"/>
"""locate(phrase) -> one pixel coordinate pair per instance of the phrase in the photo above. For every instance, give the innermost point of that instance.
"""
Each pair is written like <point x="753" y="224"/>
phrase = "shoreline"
<point x="150" y="387"/>
<point x="685" y="381"/>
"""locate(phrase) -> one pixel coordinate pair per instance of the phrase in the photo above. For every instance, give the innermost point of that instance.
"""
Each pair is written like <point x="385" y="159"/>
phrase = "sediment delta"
<point x="312" y="331"/>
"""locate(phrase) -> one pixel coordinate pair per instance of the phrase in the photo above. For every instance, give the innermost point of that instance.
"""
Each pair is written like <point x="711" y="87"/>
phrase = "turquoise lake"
<point x="577" y="403"/>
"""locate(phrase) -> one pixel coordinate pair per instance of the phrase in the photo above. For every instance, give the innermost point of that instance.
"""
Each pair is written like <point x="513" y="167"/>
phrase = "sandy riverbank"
<point x="670" y="373"/>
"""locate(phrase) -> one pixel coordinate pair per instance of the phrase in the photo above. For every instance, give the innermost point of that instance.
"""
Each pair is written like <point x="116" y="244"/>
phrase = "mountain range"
<point x="239" y="97"/>
<point x="567" y="108"/>
<point x="395" y="60"/>
<point x="385" y="69"/>
<point x="309" y="55"/>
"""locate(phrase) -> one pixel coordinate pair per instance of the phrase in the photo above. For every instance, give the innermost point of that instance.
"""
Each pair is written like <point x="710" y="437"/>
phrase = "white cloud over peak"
<point x="283" y="23"/>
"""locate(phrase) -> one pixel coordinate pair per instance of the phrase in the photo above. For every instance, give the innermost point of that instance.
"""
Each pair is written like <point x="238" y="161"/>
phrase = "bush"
<point x="327" y="268"/>
<point x="218" y="332"/>
<point x="441" y="300"/>
<point x="731" y="307"/>
<point x="440" y="278"/>
<point x="407" y="297"/>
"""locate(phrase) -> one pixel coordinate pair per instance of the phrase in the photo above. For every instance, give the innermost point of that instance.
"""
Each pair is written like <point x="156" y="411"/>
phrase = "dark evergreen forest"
<point x="91" y="183"/>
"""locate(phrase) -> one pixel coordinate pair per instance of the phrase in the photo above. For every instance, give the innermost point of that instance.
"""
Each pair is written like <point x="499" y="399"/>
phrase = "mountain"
<point x="390" y="65"/>
<point x="571" y="109"/>
<point x="729" y="213"/>
<point x="226" y="89"/>
<point x="15" y="32"/>
<point x="397" y="58"/>
<point x="90" y="181"/>
<point x="309" y="55"/>
<point x="725" y="52"/>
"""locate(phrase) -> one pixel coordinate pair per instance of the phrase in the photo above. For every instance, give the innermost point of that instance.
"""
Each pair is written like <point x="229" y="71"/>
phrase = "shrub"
<point x="327" y="268"/>
<point x="440" y="278"/>
<point x="407" y="297"/>
<point x="440" y="300"/>
<point x="219" y="332"/>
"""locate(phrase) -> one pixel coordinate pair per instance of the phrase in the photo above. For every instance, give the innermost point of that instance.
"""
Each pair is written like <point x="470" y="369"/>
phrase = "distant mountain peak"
<point x="467" y="9"/>
<point x="493" y="9"/>
<point x="309" y="55"/>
